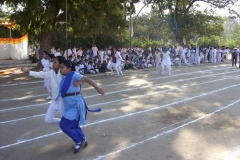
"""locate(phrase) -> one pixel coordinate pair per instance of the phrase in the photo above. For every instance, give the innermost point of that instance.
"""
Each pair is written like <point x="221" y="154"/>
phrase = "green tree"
<point x="39" y="18"/>
<point x="187" y="16"/>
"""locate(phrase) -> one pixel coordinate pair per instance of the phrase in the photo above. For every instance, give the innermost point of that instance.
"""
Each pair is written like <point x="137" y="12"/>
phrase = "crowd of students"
<point x="96" y="60"/>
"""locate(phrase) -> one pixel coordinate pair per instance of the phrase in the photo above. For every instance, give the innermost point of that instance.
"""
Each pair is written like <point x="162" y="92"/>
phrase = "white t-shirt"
<point x="118" y="57"/>
<point x="95" y="50"/>
<point x="57" y="54"/>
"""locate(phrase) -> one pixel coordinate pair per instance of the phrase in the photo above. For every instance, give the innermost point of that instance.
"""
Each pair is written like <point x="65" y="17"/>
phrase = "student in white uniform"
<point x="74" y="52"/>
<point x="225" y="52"/>
<point x="183" y="54"/>
<point x="158" y="59"/>
<point x="55" y="76"/>
<point x="95" y="50"/>
<point x="192" y="57"/>
<point x="46" y="67"/>
<point x="80" y="52"/>
<point x="219" y="55"/>
<point x="37" y="52"/>
<point x="214" y="55"/>
<point x="119" y="60"/>
<point x="57" y="53"/>
<point x="166" y="61"/>
<point x="53" y="50"/>
<point x="101" y="53"/>
<point x="210" y="55"/>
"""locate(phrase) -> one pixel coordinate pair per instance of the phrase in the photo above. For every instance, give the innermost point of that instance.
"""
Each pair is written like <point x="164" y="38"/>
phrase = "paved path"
<point x="192" y="114"/>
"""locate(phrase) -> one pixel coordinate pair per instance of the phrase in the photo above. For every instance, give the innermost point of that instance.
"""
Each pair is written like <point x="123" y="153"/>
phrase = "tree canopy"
<point x="105" y="22"/>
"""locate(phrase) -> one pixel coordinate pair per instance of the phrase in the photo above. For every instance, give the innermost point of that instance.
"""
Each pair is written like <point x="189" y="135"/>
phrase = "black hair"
<point x="60" y="59"/>
<point x="51" y="56"/>
<point x="46" y="52"/>
<point x="69" y="64"/>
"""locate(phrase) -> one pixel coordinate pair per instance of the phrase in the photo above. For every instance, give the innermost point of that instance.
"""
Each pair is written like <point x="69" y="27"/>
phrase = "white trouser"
<point x="210" y="57"/>
<point x="53" y="109"/>
<point x="168" y="67"/>
<point x="117" y="66"/>
<point x="47" y="82"/>
<point x="184" y="58"/>
<point x="101" y="57"/>
<point x="158" y="65"/>
<point x="219" y="57"/>
<point x="206" y="57"/>
<point x="214" y="58"/>
<point x="92" y="71"/>
<point x="227" y="56"/>
<point x="192" y="58"/>
<point x="111" y="67"/>
<point x="149" y="65"/>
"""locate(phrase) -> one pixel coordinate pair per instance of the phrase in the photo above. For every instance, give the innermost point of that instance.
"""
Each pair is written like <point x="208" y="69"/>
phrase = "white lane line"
<point x="33" y="105"/>
<point x="133" y="97"/>
<point x="167" y="132"/>
<point x="16" y="84"/>
<point x="124" y="116"/>
<point x="129" y="89"/>
<point x="25" y="97"/>
<point x="22" y="83"/>
<point x="8" y="109"/>
<point x="22" y="118"/>
<point x="181" y="80"/>
<point x="23" y="89"/>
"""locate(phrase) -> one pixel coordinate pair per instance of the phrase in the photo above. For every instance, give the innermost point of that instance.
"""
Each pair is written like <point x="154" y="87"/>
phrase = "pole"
<point x="10" y="32"/>
<point x="66" y="31"/>
<point x="130" y="28"/>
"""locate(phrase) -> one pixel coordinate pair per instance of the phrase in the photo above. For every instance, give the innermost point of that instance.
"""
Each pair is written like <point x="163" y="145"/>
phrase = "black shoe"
<point x="83" y="144"/>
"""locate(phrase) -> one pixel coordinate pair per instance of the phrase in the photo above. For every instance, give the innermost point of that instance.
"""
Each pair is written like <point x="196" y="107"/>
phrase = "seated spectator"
<point x="103" y="67"/>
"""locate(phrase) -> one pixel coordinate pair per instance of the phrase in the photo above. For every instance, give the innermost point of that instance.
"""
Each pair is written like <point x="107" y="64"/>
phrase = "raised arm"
<point x="37" y="74"/>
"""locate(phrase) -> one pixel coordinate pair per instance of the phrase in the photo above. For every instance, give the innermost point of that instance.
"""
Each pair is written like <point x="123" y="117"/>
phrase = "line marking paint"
<point x="33" y="105"/>
<point x="22" y="118"/>
<point x="23" y="83"/>
<point x="9" y="121"/>
<point x="168" y="131"/>
<point x="134" y="88"/>
<point x="120" y="117"/>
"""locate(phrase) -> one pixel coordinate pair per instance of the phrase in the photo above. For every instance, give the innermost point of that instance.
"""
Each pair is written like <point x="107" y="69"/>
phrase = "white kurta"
<point x="95" y="50"/>
<point x="118" y="63"/>
<point x="57" y="54"/>
<point x="55" y="106"/>
<point x="166" y="61"/>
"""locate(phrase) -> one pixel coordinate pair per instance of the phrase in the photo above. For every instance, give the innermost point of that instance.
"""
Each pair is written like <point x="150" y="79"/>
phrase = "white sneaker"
<point x="48" y="98"/>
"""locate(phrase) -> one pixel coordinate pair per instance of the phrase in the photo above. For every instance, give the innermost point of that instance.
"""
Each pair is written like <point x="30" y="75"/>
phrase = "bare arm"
<point x="94" y="84"/>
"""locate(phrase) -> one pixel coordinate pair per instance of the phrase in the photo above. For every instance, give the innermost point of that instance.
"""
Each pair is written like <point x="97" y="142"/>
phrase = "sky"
<point x="220" y="12"/>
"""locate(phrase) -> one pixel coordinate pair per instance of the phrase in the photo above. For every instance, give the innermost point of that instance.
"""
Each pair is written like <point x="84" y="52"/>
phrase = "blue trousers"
<point x="72" y="129"/>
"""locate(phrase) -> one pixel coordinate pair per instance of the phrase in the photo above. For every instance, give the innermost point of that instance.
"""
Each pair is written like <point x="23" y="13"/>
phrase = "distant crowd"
<point x="94" y="60"/>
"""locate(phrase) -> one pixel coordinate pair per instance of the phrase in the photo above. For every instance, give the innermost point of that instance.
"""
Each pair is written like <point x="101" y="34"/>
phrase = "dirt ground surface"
<point x="193" y="114"/>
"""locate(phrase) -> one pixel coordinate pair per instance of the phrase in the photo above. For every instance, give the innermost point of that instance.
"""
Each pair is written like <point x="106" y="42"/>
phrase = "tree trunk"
<point x="45" y="45"/>
<point x="179" y="39"/>
<point x="94" y="38"/>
